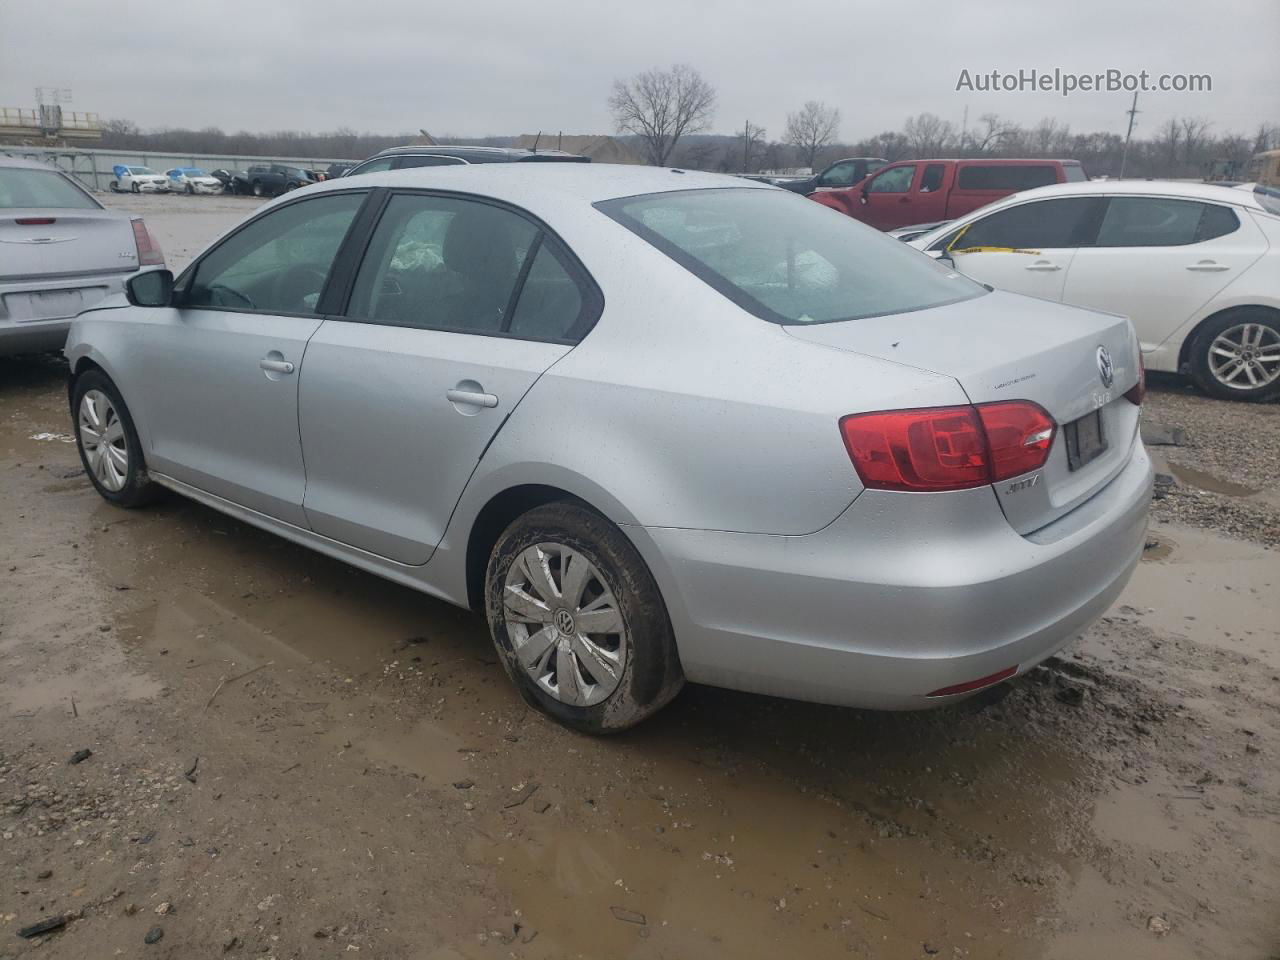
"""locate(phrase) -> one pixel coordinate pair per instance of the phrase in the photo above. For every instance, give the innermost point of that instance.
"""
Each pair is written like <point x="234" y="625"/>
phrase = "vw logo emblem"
<point x="564" y="622"/>
<point x="1106" y="370"/>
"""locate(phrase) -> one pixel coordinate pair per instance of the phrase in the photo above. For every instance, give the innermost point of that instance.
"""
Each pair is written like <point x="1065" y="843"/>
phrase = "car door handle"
<point x="471" y="397"/>
<point x="275" y="366"/>
<point x="1208" y="266"/>
<point x="1044" y="265"/>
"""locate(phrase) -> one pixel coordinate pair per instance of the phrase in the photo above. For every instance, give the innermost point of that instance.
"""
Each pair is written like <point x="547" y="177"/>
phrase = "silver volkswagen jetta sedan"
<point x="658" y="425"/>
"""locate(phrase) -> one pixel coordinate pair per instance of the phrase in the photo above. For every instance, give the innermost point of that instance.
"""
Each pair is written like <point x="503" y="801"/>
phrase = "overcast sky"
<point x="503" y="67"/>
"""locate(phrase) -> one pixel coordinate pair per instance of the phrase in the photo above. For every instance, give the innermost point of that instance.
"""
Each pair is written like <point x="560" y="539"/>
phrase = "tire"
<point x="115" y="187"/>
<point x="135" y="188"/>
<point x="135" y="488"/>
<point x="257" y="189"/>
<point x="636" y="668"/>
<point x="1253" y="334"/>
<point x="190" y="189"/>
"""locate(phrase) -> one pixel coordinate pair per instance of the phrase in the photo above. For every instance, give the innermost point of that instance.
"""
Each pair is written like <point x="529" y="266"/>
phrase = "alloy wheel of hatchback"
<point x="102" y="438"/>
<point x="564" y="624"/>
<point x="1246" y="356"/>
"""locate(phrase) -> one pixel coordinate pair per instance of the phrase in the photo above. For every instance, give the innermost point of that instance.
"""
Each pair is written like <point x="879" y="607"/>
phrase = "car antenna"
<point x="535" y="142"/>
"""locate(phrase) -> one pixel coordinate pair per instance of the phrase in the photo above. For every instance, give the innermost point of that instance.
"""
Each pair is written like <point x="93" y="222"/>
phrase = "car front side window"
<point x="278" y="263"/>
<point x="893" y="180"/>
<point x="1043" y="224"/>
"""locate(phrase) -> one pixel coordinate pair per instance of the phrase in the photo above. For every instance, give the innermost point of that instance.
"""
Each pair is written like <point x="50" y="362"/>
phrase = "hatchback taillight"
<point x="149" y="252"/>
<point x="948" y="448"/>
<point x="1138" y="391"/>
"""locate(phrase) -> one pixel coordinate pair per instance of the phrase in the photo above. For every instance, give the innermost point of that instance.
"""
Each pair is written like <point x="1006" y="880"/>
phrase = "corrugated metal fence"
<point x="93" y="167"/>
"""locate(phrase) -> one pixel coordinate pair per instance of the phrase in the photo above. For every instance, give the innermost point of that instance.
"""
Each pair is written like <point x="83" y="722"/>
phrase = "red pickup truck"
<point x="925" y="191"/>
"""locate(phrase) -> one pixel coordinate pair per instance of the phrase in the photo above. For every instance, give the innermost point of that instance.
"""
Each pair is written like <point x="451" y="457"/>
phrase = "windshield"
<point x="24" y="188"/>
<point x="142" y="171"/>
<point x="787" y="259"/>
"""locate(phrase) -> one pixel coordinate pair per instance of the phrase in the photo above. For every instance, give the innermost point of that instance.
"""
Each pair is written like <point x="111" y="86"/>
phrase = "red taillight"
<point x="35" y="221"/>
<point x="149" y="252"/>
<point x="947" y="448"/>
<point x="1138" y="392"/>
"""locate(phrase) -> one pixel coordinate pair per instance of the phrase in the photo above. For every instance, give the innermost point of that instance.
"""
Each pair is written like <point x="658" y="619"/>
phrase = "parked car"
<point x="335" y="170"/>
<point x="233" y="181"/>
<point x="402" y="158"/>
<point x="837" y="176"/>
<point x="1195" y="266"/>
<point x="919" y="191"/>
<point x="60" y="253"/>
<point x="915" y="230"/>
<point x="273" y="179"/>
<point x="136" y="179"/>
<point x="659" y="425"/>
<point x="192" y="180"/>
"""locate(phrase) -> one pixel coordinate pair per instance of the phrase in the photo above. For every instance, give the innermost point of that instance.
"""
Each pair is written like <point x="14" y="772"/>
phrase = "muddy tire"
<point x="1224" y="346"/>
<point x="578" y="620"/>
<point x="104" y="431"/>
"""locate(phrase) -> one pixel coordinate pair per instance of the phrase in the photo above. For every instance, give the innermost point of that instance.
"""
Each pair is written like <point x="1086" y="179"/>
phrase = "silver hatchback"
<point x="658" y="425"/>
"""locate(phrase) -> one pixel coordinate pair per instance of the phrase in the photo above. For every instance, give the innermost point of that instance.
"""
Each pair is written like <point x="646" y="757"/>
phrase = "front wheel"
<point x="190" y="189"/>
<point x="135" y="188"/>
<point x="257" y="189"/>
<point x="108" y="442"/>
<point x="115" y="187"/>
<point x="578" y="620"/>
<point x="1237" y="356"/>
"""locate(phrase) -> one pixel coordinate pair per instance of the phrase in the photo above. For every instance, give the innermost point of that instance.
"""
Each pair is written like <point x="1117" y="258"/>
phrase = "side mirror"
<point x="946" y="257"/>
<point x="151" y="289"/>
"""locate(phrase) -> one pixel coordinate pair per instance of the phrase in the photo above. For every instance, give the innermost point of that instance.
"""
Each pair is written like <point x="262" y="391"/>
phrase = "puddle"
<point x="1157" y="547"/>
<point x="1207" y="481"/>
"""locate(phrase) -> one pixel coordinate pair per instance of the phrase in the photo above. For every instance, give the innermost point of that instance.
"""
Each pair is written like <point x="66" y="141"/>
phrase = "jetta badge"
<point x="1106" y="370"/>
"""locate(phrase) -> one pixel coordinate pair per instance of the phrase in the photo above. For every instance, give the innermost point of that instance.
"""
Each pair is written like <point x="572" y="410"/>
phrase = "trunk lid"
<point x="76" y="243"/>
<point x="1007" y="347"/>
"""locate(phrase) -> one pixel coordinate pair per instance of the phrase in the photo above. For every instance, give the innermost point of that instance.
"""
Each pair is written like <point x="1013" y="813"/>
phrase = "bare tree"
<point x="1195" y="134"/>
<point x="928" y="134"/>
<point x="993" y="134"/>
<point x="810" y="129"/>
<point x="661" y="106"/>
<point x="1266" y="138"/>
<point x="753" y="146"/>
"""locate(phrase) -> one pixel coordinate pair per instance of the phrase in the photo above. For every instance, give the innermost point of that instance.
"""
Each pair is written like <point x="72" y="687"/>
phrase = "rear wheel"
<point x="108" y="442"/>
<point x="1237" y="356"/>
<point x="578" y="620"/>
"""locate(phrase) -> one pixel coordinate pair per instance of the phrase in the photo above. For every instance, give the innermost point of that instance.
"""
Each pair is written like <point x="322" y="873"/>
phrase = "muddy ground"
<point x="291" y="758"/>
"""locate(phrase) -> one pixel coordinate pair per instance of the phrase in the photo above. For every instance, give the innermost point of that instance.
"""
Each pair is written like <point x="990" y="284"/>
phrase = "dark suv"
<point x="402" y="158"/>
<point x="273" y="179"/>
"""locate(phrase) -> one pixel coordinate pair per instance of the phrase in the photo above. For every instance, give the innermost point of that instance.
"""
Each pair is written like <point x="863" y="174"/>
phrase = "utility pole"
<point x="1133" y="112"/>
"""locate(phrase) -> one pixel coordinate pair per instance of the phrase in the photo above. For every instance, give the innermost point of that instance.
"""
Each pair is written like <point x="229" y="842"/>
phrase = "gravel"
<point x="1227" y="468"/>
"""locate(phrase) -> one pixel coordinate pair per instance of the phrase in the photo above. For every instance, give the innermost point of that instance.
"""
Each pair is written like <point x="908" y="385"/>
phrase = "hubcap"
<point x="102" y="440"/>
<point x="1246" y="356"/>
<point x="564" y="624"/>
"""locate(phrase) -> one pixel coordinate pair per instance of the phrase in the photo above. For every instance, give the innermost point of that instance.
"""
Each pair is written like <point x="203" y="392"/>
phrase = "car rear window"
<point x="787" y="259"/>
<point x="23" y="187"/>
<point x="1005" y="176"/>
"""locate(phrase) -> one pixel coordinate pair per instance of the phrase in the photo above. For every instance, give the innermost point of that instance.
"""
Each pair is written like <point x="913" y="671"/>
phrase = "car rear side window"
<point x="278" y="263"/>
<point x="1162" y="222"/>
<point x="406" y="163"/>
<point x="24" y="187"/>
<point x="1005" y="176"/>
<point x="1051" y="224"/>
<point x="550" y="302"/>
<point x="785" y="258"/>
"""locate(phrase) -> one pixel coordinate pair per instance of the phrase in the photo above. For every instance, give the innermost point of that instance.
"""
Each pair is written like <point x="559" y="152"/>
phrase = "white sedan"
<point x="1195" y="266"/>
<point x="137" y="179"/>
<point x="192" y="180"/>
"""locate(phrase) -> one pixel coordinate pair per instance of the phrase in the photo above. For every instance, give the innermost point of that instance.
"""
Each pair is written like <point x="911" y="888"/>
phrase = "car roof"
<point x="464" y="152"/>
<point x="1146" y="188"/>
<point x="990" y="161"/>
<point x="527" y="184"/>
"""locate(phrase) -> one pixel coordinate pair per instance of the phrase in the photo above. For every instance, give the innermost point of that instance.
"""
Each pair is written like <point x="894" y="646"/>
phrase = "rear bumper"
<point x="902" y="595"/>
<point x="22" y="330"/>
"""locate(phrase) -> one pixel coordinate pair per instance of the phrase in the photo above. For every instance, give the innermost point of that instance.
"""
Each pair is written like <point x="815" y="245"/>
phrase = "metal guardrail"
<point x="93" y="167"/>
